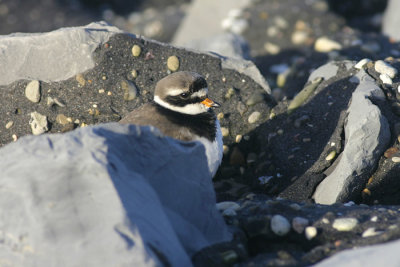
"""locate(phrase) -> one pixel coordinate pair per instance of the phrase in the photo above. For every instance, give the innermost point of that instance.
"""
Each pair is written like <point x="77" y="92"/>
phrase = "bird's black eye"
<point x="184" y="95"/>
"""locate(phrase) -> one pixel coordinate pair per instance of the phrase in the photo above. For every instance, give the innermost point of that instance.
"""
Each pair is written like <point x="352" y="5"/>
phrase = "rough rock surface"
<point x="106" y="191"/>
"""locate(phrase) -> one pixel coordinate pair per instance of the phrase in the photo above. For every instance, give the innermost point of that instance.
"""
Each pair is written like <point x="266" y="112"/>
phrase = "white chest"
<point x="214" y="150"/>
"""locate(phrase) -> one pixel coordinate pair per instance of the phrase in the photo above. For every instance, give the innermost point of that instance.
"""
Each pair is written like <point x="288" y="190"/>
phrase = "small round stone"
<point x="254" y="117"/>
<point x="324" y="45"/>
<point x="80" y="79"/>
<point x="385" y="68"/>
<point x="344" y="224"/>
<point x="62" y="119"/>
<point x="32" y="91"/>
<point x="224" y="131"/>
<point x="396" y="159"/>
<point x="225" y="149"/>
<point x="136" y="50"/>
<point x="220" y="116"/>
<point x="280" y="225"/>
<point x="173" y="63"/>
<point x="238" y="138"/>
<point x="9" y="124"/>
<point x="134" y="74"/>
<point x="331" y="155"/>
<point x="362" y="63"/>
<point x="310" y="232"/>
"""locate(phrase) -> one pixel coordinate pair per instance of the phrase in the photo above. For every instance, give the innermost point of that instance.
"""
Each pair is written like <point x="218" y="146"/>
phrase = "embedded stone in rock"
<point x="360" y="64"/>
<point x="366" y="128"/>
<point x="32" y="91"/>
<point x="345" y="224"/>
<point x="136" y="50"/>
<point x="173" y="63"/>
<point x="254" y="117"/>
<point x="385" y="68"/>
<point x="280" y="225"/>
<point x="130" y="90"/>
<point x="310" y="232"/>
<point x="38" y="123"/>
<point x="299" y="224"/>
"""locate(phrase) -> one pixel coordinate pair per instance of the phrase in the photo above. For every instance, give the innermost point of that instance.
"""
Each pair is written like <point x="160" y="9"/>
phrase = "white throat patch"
<point x="190" y="109"/>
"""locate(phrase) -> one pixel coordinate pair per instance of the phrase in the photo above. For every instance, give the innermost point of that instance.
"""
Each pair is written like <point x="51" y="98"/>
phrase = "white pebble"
<point x="398" y="89"/>
<point x="349" y="204"/>
<point x="280" y="225"/>
<point x="345" y="224"/>
<point x="385" y="68"/>
<point x="371" y="232"/>
<point x="299" y="223"/>
<point x="396" y="159"/>
<point x="253" y="118"/>
<point x="385" y="78"/>
<point x="227" y="205"/>
<point x="38" y="123"/>
<point x="374" y="219"/>
<point x="325" y="220"/>
<point x="224" y="131"/>
<point x="324" y="45"/>
<point x="361" y="63"/>
<point x="32" y="91"/>
<point x="9" y="124"/>
<point x="310" y="232"/>
<point x="264" y="179"/>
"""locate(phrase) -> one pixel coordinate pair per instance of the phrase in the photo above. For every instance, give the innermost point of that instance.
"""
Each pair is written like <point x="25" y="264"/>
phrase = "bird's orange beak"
<point x="210" y="104"/>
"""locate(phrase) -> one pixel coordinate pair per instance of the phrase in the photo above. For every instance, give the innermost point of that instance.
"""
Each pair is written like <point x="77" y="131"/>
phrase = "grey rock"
<point x="367" y="134"/>
<point x="210" y="24"/>
<point x="391" y="20"/>
<point x="67" y="51"/>
<point x="377" y="255"/>
<point x="106" y="191"/>
<point x="326" y="71"/>
<point x="226" y="44"/>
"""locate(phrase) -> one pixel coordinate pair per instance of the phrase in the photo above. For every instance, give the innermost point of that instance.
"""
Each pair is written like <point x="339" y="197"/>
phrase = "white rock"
<point x="396" y="159"/>
<point x="361" y="63"/>
<point x="264" y="179"/>
<point x="38" y="123"/>
<point x="253" y="118"/>
<point x="324" y="45"/>
<point x="344" y="224"/>
<point x="299" y="37"/>
<point x="310" y="232"/>
<point x="9" y="124"/>
<point x="385" y="78"/>
<point x="398" y="89"/>
<point x="221" y="206"/>
<point x="299" y="223"/>
<point x="385" y="68"/>
<point x="280" y="225"/>
<point x="32" y="91"/>
<point x="371" y="232"/>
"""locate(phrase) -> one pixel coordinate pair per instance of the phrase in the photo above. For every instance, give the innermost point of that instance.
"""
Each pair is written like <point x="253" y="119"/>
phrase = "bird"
<point x="181" y="109"/>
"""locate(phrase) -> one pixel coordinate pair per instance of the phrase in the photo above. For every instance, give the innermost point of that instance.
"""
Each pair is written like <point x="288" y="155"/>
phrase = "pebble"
<point x="324" y="45"/>
<point x="280" y="225"/>
<point x="255" y="99"/>
<point x="130" y="90"/>
<point x="396" y="159"/>
<point x="32" y="91"/>
<point x="310" y="232"/>
<point x="9" y="124"/>
<point x="134" y="74"/>
<point x="271" y="48"/>
<point x="224" y="131"/>
<point x="173" y="63"/>
<point x="300" y="37"/>
<point x="229" y="257"/>
<point x="361" y="63"/>
<point x="14" y="137"/>
<point x="241" y="108"/>
<point x="253" y="118"/>
<point x="299" y="224"/>
<point x="226" y="149"/>
<point x="238" y="138"/>
<point x="371" y="232"/>
<point x="227" y="205"/>
<point x="385" y="68"/>
<point x="295" y="206"/>
<point x="304" y="94"/>
<point x="345" y="224"/>
<point x="264" y="179"/>
<point x="229" y="93"/>
<point x="80" y="79"/>
<point x="136" y="50"/>
<point x="220" y="116"/>
<point x="62" y="119"/>
<point x="38" y="123"/>
<point x="331" y="155"/>
<point x="385" y="79"/>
